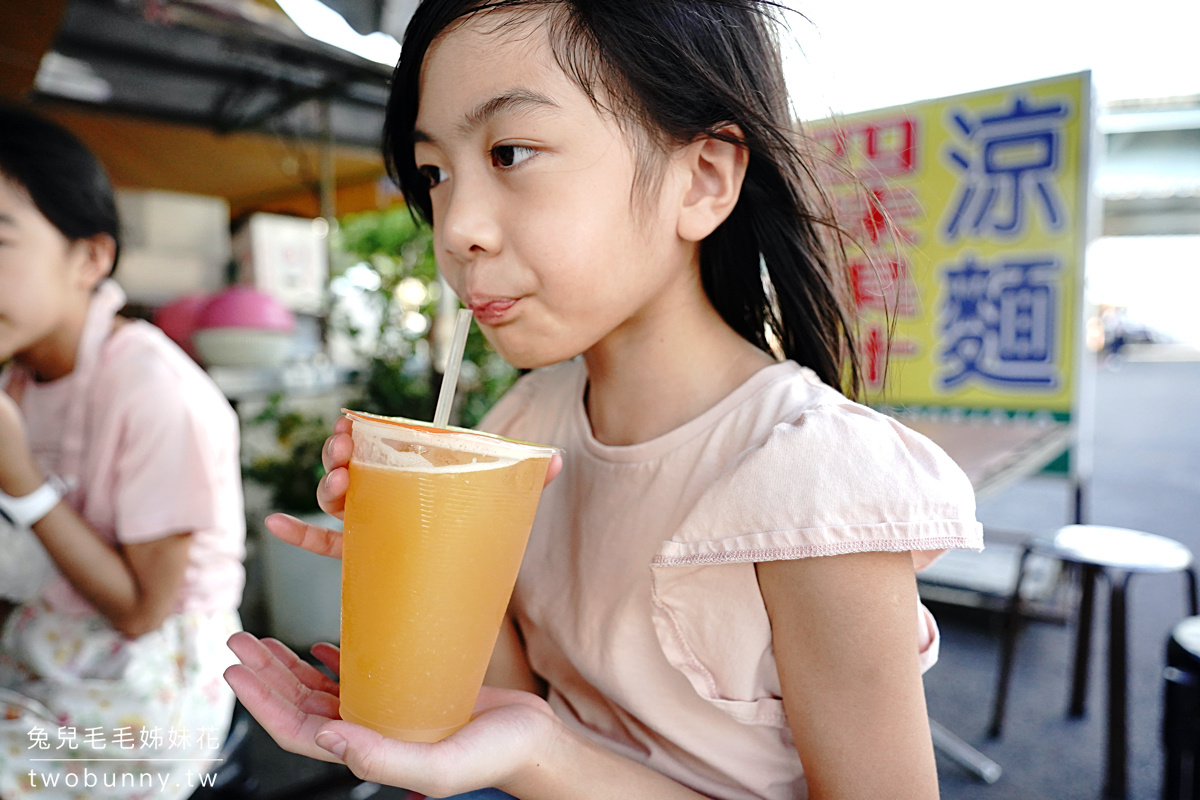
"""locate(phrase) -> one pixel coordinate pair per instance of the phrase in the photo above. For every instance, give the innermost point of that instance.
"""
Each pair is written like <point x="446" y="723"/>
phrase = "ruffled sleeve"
<point x="839" y="478"/>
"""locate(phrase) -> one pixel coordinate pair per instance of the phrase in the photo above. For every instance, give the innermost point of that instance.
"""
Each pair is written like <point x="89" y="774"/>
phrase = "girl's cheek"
<point x="451" y="277"/>
<point x="447" y="268"/>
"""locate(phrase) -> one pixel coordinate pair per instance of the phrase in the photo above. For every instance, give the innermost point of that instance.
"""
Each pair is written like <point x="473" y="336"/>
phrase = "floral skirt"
<point x="89" y="713"/>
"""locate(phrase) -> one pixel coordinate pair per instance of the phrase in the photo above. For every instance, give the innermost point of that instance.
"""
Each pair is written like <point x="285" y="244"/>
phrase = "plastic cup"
<point x="436" y="525"/>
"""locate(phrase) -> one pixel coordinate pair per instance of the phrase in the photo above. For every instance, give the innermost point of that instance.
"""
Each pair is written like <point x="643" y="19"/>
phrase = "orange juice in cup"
<point x="436" y="525"/>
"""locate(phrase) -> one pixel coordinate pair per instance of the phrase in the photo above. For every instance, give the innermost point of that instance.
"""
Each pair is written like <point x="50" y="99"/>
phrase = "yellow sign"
<point x="969" y="221"/>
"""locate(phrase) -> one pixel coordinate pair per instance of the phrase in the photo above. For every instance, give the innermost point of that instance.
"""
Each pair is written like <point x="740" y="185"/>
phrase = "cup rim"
<point x="538" y="450"/>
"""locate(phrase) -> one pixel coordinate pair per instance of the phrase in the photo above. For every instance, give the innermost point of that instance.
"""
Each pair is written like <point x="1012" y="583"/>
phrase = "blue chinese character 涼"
<point x="1010" y="162"/>
<point x="998" y="324"/>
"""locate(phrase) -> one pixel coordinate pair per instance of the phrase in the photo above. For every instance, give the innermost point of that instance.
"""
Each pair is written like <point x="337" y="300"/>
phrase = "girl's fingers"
<point x="305" y="672"/>
<point x="274" y="674"/>
<point x="342" y="425"/>
<point x="331" y="491"/>
<point x="312" y="538"/>
<point x="291" y="728"/>
<point x="329" y="655"/>
<point x="337" y="451"/>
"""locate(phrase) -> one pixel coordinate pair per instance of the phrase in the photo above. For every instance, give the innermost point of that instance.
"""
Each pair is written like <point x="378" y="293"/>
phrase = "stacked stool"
<point x="1114" y="555"/>
<point x="1181" y="713"/>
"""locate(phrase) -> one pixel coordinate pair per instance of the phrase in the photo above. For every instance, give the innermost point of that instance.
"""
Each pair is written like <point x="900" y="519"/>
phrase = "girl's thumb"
<point x="332" y="742"/>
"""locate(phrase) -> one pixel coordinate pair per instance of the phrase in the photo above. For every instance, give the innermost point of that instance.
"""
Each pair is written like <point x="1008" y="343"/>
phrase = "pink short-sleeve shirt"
<point x="159" y="457"/>
<point x="637" y="598"/>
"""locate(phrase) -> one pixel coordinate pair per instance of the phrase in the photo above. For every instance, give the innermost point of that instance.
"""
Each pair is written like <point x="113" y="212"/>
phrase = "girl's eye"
<point x="510" y="155"/>
<point x="434" y="175"/>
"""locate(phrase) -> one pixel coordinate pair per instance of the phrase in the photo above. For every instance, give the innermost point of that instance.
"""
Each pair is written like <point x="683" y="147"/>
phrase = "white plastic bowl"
<point x="242" y="347"/>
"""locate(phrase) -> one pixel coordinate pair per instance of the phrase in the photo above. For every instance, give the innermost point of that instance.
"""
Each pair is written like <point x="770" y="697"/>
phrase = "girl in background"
<point x="718" y="597"/>
<point x="120" y="458"/>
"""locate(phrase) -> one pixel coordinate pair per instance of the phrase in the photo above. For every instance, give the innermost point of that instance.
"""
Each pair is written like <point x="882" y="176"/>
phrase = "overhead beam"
<point x="26" y="34"/>
<point x="228" y="80"/>
<point x="248" y="169"/>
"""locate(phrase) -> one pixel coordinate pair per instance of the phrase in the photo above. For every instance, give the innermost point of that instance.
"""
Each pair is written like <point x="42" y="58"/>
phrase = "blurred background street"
<point x="1147" y="477"/>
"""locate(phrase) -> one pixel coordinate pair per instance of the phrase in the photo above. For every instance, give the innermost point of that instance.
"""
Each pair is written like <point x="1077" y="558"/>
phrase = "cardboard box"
<point x="172" y="244"/>
<point x="287" y="257"/>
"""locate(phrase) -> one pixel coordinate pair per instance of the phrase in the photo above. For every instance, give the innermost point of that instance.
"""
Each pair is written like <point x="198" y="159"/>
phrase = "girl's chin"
<point x="533" y="358"/>
<point x="526" y="352"/>
<point x="535" y="361"/>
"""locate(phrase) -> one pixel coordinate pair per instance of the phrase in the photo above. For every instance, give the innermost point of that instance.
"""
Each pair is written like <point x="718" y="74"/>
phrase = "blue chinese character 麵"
<point x="998" y="324"/>
<point x="1010" y="162"/>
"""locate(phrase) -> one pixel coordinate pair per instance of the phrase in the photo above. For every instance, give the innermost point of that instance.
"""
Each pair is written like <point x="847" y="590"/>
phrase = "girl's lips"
<point x="492" y="310"/>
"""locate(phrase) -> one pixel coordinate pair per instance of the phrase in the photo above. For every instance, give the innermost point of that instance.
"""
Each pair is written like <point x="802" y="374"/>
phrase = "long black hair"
<point x="680" y="70"/>
<point x="65" y="181"/>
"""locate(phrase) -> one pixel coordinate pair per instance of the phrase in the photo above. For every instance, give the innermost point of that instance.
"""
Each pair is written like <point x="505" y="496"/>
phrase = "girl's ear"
<point x="714" y="170"/>
<point x="96" y="256"/>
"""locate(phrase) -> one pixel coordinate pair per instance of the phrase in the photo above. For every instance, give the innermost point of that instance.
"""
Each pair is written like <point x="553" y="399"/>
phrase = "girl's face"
<point x="45" y="281"/>
<point x="533" y="208"/>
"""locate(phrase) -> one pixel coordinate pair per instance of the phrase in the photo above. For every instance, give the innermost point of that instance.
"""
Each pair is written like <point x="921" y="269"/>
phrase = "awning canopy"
<point x="215" y="97"/>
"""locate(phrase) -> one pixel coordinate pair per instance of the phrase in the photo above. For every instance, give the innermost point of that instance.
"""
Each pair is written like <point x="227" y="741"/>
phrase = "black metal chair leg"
<point x="1083" y="638"/>
<point x="1116" y="784"/>
<point x="1008" y="648"/>
<point x="1193" y="609"/>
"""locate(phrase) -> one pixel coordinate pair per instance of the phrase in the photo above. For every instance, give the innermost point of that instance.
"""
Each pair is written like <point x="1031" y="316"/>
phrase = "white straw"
<point x="462" y="323"/>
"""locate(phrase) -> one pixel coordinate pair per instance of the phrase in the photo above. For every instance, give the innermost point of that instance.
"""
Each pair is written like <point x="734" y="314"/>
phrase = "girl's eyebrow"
<point x="509" y="102"/>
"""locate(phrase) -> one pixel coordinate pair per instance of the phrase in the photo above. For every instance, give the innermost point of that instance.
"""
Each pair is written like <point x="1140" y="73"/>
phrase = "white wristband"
<point x="25" y="511"/>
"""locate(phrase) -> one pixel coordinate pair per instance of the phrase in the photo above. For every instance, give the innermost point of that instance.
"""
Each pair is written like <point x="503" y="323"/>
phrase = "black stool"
<point x="1114" y="554"/>
<point x="1181" y="712"/>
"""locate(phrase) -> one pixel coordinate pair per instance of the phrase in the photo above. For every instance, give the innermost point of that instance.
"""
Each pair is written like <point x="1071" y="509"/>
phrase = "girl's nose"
<point x="469" y="224"/>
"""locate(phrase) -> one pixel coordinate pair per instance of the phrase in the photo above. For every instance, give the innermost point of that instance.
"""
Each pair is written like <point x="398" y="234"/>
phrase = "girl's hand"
<point x="313" y="538"/>
<point x="19" y="474"/>
<point x="335" y="457"/>
<point x="331" y="496"/>
<point x="298" y="706"/>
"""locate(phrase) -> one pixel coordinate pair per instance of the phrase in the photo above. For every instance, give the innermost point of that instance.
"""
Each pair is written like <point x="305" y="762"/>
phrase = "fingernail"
<point x="331" y="742"/>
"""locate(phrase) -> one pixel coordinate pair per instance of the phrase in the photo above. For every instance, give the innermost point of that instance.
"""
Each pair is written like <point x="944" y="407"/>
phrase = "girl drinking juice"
<point x="718" y="596"/>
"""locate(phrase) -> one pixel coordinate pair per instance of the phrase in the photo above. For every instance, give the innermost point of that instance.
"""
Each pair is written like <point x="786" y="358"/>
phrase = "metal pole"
<point x="963" y="754"/>
<point x="328" y="165"/>
<point x="1116" y="781"/>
